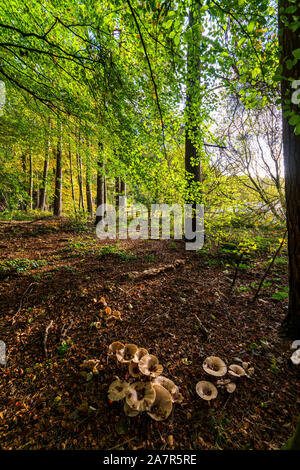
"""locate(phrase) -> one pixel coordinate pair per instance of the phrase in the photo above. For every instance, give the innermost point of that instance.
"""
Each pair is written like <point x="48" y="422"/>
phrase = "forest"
<point x="149" y="225"/>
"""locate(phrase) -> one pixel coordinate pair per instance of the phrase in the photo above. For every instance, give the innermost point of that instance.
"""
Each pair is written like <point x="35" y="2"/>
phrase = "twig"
<point x="46" y="337"/>
<point x="202" y="327"/>
<point x="122" y="443"/>
<point x="269" y="268"/>
<point x="21" y="303"/>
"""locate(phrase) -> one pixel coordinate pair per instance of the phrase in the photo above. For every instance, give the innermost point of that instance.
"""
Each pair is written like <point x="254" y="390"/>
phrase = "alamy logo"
<point x="296" y="94"/>
<point x="164" y="222"/>
<point x="2" y="353"/>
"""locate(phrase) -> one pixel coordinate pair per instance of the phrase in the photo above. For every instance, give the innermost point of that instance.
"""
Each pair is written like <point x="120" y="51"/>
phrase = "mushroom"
<point x="222" y="382"/>
<point x="91" y="364"/>
<point x="162" y="406"/>
<point x="213" y="365"/>
<point x="140" y="396"/>
<point x="206" y="390"/>
<point x="130" y="411"/>
<point x="170" y="386"/>
<point x="295" y="357"/>
<point x="134" y="370"/>
<point x="295" y="344"/>
<point x="127" y="353"/>
<point x="115" y="347"/>
<point x="236" y="371"/>
<point x="117" y="390"/>
<point x="149" y="365"/>
<point x="230" y="387"/>
<point x="141" y="352"/>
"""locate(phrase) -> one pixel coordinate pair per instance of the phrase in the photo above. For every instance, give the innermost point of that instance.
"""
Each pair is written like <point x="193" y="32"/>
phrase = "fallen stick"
<point x="46" y="337"/>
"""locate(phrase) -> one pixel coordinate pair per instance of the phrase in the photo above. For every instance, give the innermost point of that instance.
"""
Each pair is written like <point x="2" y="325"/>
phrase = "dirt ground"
<point x="47" y="403"/>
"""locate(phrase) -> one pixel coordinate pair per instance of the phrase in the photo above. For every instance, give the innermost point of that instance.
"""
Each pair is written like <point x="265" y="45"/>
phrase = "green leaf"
<point x="296" y="53"/>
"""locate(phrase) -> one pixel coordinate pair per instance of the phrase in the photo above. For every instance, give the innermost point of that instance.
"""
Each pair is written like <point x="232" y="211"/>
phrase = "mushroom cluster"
<point x="295" y="357"/>
<point x="107" y="315"/>
<point x="146" y="389"/>
<point x="216" y="368"/>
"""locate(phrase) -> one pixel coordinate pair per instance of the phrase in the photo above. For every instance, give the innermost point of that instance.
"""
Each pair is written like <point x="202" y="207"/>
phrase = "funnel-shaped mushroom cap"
<point x="236" y="371"/>
<point x="213" y="365"/>
<point x="129" y="411"/>
<point x="206" y="390"/>
<point x="168" y="385"/>
<point x="114" y="347"/>
<point x="162" y="405"/>
<point x="149" y="365"/>
<point x="134" y="370"/>
<point x="141" y="352"/>
<point x="117" y="390"/>
<point x="230" y="387"/>
<point x="127" y="353"/>
<point x="140" y="396"/>
<point x="295" y="344"/>
<point x="295" y="357"/>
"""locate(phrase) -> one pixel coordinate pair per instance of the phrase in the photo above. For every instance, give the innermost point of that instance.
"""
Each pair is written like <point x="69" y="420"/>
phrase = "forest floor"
<point x="51" y="274"/>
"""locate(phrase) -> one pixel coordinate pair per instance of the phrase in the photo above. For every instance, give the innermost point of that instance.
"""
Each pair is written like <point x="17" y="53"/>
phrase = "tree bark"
<point x="57" y="209"/>
<point x="88" y="182"/>
<point x="30" y="181"/>
<point x="101" y="190"/>
<point x="290" y="41"/>
<point x="46" y="168"/>
<point x="72" y="180"/>
<point x="79" y="172"/>
<point x="192" y="157"/>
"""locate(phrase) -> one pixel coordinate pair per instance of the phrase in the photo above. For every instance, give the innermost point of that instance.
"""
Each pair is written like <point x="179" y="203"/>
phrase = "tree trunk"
<point x="290" y="41"/>
<point x="57" y="209"/>
<point x="88" y="182"/>
<point x="79" y="172"/>
<point x="30" y="181"/>
<point x="192" y="157"/>
<point x="101" y="193"/>
<point x="45" y="172"/>
<point x="117" y="191"/>
<point x="72" y="180"/>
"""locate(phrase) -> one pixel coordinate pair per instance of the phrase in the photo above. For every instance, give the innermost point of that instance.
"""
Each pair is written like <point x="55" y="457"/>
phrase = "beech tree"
<point x="289" y="40"/>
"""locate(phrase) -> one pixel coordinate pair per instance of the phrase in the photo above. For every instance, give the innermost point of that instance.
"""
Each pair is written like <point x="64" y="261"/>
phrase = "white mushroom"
<point x="213" y="365"/>
<point x="295" y="357"/>
<point x="230" y="387"/>
<point x="130" y="411"/>
<point x="162" y="406"/>
<point x="127" y="353"/>
<point x="113" y="348"/>
<point x="140" y="396"/>
<point x="150" y="366"/>
<point x="134" y="370"/>
<point x="117" y="390"/>
<point x="139" y="354"/>
<point x="170" y="386"/>
<point x="206" y="390"/>
<point x="236" y="371"/>
<point x="295" y="344"/>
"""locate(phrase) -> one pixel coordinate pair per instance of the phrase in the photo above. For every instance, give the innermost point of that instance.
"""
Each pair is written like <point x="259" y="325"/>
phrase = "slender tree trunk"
<point x="88" y="182"/>
<point x="192" y="157"/>
<point x="79" y="172"/>
<point x="57" y="209"/>
<point x="72" y="180"/>
<point x="290" y="41"/>
<point x="117" y="191"/>
<point x="45" y="171"/>
<point x="37" y="195"/>
<point x="30" y="181"/>
<point x="101" y="196"/>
